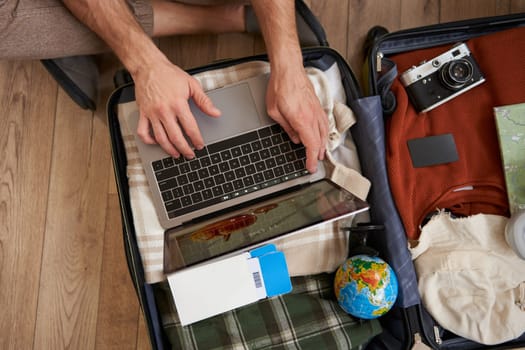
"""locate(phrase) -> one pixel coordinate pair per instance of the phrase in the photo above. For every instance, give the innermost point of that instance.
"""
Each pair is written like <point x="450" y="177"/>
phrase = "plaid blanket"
<point x="307" y="318"/>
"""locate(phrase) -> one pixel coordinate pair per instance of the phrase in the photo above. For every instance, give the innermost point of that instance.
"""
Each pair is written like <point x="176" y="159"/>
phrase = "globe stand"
<point x="358" y="236"/>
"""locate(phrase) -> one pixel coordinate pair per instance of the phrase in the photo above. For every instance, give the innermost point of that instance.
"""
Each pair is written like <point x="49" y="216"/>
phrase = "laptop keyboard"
<point x="228" y="169"/>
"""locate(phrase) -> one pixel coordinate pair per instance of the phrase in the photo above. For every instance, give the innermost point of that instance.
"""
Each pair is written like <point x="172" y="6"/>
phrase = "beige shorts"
<point x="36" y="29"/>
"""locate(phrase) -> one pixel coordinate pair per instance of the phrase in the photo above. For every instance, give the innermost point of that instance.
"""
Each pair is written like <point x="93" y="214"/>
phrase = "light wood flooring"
<point x="64" y="282"/>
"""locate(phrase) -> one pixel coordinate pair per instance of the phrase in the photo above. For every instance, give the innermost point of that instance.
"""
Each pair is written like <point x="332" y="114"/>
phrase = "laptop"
<point x="247" y="187"/>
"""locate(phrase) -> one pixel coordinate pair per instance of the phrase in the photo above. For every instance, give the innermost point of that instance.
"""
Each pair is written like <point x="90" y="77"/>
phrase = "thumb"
<point x="204" y="102"/>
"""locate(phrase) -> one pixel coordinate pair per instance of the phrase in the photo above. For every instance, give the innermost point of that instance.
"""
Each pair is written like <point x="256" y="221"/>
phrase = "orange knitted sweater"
<point x="475" y="183"/>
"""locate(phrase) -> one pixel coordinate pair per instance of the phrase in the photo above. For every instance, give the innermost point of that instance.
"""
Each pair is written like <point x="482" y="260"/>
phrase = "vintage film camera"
<point x="444" y="77"/>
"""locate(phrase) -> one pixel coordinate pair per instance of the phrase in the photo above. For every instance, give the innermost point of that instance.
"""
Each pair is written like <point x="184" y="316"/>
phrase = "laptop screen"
<point x="312" y="204"/>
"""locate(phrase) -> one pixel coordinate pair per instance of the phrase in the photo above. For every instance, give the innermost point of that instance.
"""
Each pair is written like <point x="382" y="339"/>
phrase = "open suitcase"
<point x="335" y="330"/>
<point x="388" y="56"/>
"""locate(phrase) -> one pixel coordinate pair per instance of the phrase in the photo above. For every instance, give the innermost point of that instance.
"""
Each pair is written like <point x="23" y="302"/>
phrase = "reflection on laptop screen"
<point x="313" y="204"/>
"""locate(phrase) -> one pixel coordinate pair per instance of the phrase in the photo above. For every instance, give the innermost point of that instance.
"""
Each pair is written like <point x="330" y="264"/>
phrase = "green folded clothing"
<point x="307" y="318"/>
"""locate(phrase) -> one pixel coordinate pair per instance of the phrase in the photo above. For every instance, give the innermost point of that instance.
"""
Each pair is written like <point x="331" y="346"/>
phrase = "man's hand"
<point x="291" y="99"/>
<point x="292" y="102"/>
<point x="162" y="89"/>
<point x="162" y="93"/>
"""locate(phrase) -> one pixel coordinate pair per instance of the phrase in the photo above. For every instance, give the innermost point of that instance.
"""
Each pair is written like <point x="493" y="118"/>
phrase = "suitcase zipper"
<point x="379" y="58"/>
<point x="437" y="337"/>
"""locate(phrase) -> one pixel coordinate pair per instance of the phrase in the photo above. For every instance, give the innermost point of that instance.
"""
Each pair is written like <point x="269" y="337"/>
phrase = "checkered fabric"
<point x="307" y="318"/>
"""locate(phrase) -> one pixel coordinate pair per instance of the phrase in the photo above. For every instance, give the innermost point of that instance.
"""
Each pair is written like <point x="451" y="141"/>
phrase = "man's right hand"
<point x="162" y="92"/>
<point x="162" y="89"/>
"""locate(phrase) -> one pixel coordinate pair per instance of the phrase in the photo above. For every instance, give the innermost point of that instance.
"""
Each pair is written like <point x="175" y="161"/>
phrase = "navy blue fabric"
<point x="369" y="136"/>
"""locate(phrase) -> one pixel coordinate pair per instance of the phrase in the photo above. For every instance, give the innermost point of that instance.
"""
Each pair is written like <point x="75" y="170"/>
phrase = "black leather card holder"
<point x="432" y="150"/>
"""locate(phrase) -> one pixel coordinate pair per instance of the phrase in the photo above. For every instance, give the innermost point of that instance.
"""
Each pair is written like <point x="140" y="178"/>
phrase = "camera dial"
<point x="456" y="73"/>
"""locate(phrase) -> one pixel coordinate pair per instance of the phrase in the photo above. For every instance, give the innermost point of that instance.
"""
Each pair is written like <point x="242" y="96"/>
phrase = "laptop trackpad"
<point x="238" y="113"/>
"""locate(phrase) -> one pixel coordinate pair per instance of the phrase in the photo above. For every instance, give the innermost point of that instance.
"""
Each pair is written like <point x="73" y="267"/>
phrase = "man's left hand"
<point x="292" y="102"/>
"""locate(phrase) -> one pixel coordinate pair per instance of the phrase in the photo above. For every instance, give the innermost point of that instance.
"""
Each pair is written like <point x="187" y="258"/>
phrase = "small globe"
<point x="365" y="286"/>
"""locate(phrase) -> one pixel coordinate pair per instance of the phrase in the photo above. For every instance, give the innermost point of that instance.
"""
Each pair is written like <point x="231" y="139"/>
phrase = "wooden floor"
<point x="63" y="277"/>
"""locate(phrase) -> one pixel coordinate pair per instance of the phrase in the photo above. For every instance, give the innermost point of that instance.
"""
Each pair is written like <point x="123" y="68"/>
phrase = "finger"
<point x="309" y="139"/>
<point x="292" y="134"/>
<point x="322" y="152"/>
<point x="162" y="139"/>
<point x="203" y="101"/>
<point x="176" y="137"/>
<point x="323" y="131"/>
<point x="189" y="125"/>
<point x="312" y="140"/>
<point x="312" y="154"/>
<point x="144" y="131"/>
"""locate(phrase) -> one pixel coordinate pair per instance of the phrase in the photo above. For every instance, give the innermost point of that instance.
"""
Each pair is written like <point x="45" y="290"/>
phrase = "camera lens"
<point x="456" y="73"/>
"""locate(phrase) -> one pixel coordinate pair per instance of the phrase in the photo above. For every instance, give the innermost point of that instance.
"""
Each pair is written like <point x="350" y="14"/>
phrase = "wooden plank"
<point x="74" y="230"/>
<point x="416" y="13"/>
<point x="258" y="46"/>
<point x="234" y="45"/>
<point x="112" y="185"/>
<point x="108" y="65"/>
<point x="27" y="102"/>
<point x="336" y="26"/>
<point x="363" y="15"/>
<point x="190" y="51"/>
<point x="517" y="6"/>
<point x="143" y="338"/>
<point x="452" y="10"/>
<point x="118" y="304"/>
<point x="198" y="50"/>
